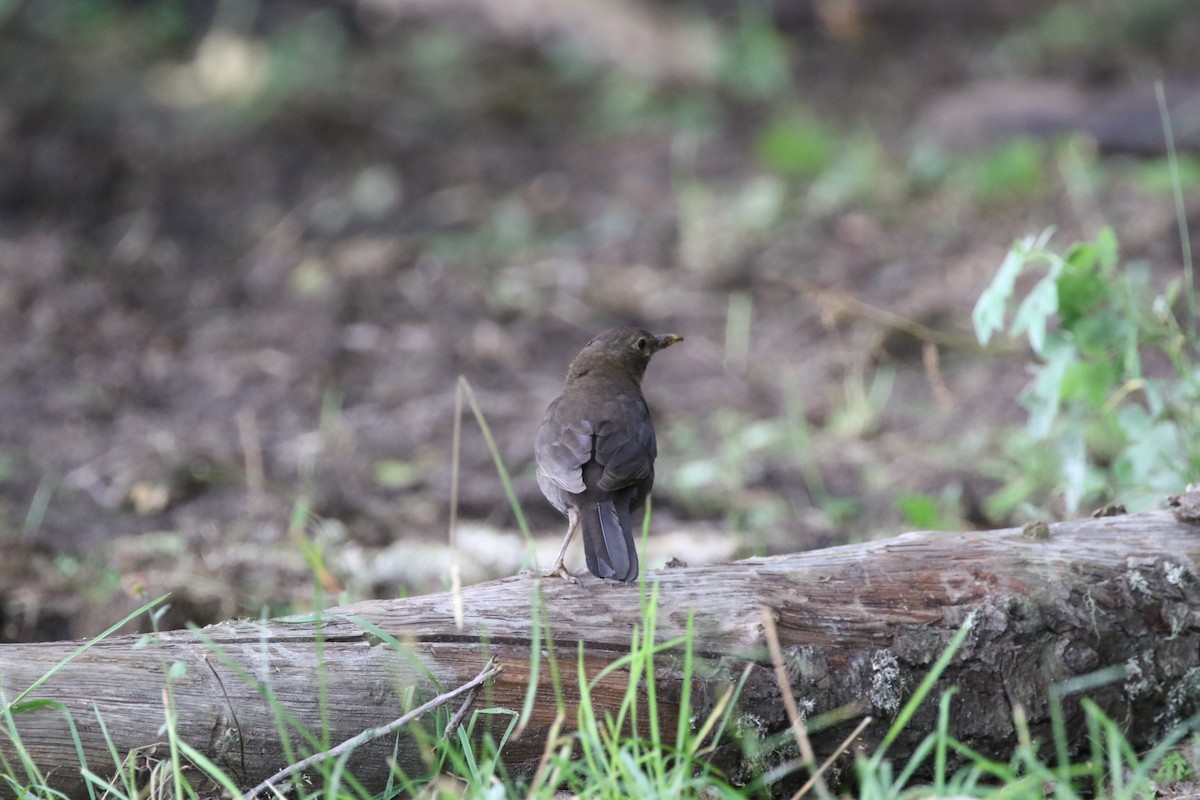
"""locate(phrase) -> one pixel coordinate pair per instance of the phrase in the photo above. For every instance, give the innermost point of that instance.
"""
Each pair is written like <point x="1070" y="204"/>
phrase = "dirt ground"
<point x="247" y="250"/>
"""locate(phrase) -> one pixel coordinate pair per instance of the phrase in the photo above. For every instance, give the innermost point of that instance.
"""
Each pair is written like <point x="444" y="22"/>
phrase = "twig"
<point x="459" y="715"/>
<point x="489" y="670"/>
<point x="789" y="702"/>
<point x="933" y="374"/>
<point x="847" y="303"/>
<point x="841" y="748"/>
<point x="455" y="446"/>
<point x="252" y="454"/>
<point x="455" y="463"/>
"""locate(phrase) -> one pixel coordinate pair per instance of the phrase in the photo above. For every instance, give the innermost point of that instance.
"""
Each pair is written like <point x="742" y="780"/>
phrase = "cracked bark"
<point x="860" y="625"/>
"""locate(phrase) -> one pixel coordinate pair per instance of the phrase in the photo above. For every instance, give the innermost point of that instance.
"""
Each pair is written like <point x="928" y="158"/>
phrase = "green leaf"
<point x="40" y="704"/>
<point x="1154" y="459"/>
<point x="1079" y="290"/>
<point x="1098" y="335"/>
<point x="1072" y="449"/>
<point x="1035" y="312"/>
<point x="1173" y="769"/>
<point x="988" y="315"/>
<point x="1042" y="398"/>
<point x="1135" y="422"/>
<point x="1091" y="382"/>
<point x="1082" y="256"/>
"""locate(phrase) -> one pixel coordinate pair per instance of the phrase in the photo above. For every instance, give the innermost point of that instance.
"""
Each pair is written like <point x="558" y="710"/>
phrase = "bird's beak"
<point x="666" y="340"/>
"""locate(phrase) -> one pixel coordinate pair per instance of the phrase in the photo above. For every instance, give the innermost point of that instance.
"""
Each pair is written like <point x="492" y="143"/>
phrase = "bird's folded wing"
<point x="561" y="449"/>
<point x="626" y="448"/>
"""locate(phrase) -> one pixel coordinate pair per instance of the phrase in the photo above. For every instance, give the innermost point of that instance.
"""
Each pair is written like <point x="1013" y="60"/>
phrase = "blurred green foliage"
<point x="797" y="144"/>
<point x="1085" y="25"/>
<point x="1100" y="34"/>
<point x="928" y="512"/>
<point x="1011" y="169"/>
<point x="1114" y="387"/>
<point x="754" y="58"/>
<point x="1158" y="175"/>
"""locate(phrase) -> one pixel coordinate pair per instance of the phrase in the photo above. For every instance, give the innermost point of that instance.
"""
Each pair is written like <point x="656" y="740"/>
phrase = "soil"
<point x="245" y="261"/>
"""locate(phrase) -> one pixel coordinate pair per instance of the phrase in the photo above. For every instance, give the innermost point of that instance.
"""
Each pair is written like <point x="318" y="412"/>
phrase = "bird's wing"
<point x="625" y="446"/>
<point x="562" y="447"/>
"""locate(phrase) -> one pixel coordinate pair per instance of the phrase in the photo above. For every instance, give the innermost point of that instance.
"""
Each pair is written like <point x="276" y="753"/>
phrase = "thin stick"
<point x="252" y="455"/>
<point x="933" y="373"/>
<point x="455" y="444"/>
<point x="841" y="301"/>
<point x="789" y="702"/>
<point x="455" y="448"/>
<point x="841" y="748"/>
<point x="489" y="670"/>
<point x="461" y="714"/>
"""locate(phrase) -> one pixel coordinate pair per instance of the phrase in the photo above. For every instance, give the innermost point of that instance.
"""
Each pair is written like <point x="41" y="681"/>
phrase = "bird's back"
<point x="596" y="447"/>
<point x="595" y="453"/>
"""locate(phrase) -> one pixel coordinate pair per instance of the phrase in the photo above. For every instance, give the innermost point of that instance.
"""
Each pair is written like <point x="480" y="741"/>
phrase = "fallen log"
<point x="859" y="625"/>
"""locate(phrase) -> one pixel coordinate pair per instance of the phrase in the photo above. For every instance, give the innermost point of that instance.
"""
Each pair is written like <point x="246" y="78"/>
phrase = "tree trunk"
<point x="860" y="626"/>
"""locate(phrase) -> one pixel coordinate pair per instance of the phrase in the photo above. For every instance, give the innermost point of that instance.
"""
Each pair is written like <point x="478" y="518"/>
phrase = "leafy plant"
<point x="1115" y="386"/>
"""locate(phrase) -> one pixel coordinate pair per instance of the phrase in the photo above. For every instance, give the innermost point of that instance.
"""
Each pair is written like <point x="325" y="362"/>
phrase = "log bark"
<point x="860" y="626"/>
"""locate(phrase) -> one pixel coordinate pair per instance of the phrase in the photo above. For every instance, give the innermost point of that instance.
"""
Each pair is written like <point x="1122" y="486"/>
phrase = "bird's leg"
<point x="558" y="568"/>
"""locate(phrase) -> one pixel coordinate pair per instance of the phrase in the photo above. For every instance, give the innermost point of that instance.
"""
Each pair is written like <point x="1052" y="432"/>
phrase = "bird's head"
<point x="628" y="348"/>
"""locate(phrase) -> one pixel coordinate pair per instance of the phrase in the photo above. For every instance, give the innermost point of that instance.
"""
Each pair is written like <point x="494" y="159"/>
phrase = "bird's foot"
<point x="560" y="570"/>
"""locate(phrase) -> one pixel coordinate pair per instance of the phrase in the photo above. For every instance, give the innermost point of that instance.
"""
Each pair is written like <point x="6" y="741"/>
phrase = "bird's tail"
<point x="608" y="540"/>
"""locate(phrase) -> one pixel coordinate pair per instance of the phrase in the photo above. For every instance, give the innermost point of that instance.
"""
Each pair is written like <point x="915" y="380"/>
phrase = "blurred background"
<point x="248" y="248"/>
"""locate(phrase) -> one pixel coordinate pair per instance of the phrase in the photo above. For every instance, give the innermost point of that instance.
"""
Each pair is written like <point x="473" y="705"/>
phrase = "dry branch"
<point x="859" y="626"/>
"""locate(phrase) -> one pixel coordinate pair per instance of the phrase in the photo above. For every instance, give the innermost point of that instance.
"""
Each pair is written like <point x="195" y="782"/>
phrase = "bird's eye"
<point x="640" y="344"/>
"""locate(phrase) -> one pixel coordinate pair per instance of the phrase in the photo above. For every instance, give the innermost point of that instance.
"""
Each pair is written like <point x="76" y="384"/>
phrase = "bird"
<point x="595" y="450"/>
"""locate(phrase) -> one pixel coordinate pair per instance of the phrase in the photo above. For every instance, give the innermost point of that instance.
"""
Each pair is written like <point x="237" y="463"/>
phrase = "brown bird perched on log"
<point x="595" y="450"/>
